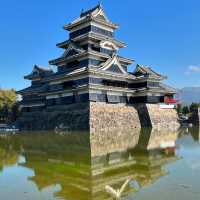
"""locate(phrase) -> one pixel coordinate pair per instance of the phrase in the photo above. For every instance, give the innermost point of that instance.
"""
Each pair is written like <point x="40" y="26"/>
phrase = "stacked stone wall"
<point x="163" y="118"/>
<point x="151" y="115"/>
<point x="113" y="127"/>
<point x="102" y="120"/>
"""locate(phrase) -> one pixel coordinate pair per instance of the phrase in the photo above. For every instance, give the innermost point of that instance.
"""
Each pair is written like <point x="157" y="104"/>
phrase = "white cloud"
<point x="192" y="69"/>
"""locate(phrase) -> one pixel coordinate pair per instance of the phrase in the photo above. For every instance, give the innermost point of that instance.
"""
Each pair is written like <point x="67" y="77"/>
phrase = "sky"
<point x="164" y="35"/>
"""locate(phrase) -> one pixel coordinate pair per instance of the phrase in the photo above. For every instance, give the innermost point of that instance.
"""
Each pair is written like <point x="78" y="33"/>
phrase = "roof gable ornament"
<point x="72" y="48"/>
<point x="99" y="12"/>
<point x="96" y="12"/>
<point x="108" y="45"/>
<point x="113" y="61"/>
<point x="35" y="69"/>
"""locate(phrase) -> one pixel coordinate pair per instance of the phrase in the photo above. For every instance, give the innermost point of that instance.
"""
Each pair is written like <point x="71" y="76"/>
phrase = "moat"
<point x="61" y="166"/>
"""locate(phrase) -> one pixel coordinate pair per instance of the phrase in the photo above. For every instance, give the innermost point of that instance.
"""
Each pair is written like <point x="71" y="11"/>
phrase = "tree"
<point x="179" y="108"/>
<point x="8" y="105"/>
<point x="14" y="112"/>
<point x="7" y="98"/>
<point x="185" y="110"/>
<point x="194" y="106"/>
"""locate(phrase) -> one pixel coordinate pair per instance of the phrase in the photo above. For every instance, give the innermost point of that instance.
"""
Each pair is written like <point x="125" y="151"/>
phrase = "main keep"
<point x="92" y="88"/>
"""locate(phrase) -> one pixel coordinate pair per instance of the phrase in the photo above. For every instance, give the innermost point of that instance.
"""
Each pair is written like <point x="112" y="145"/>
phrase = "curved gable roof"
<point x="113" y="61"/>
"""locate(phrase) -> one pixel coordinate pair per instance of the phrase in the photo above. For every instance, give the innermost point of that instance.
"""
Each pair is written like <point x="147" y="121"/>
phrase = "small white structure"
<point x="167" y="106"/>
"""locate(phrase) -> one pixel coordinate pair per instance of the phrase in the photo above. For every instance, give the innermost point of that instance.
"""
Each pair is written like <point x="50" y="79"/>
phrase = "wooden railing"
<point x="170" y="100"/>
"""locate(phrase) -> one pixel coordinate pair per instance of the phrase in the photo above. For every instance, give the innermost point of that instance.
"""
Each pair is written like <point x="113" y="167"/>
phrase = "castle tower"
<point x="92" y="83"/>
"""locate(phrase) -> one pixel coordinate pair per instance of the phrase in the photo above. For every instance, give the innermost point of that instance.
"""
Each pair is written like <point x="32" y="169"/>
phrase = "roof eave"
<point x="126" y="60"/>
<point x="63" y="44"/>
<point x="97" y="36"/>
<point x="70" y="26"/>
<point x="150" y="78"/>
<point x="30" y="77"/>
<point x="27" y="78"/>
<point x="110" y="24"/>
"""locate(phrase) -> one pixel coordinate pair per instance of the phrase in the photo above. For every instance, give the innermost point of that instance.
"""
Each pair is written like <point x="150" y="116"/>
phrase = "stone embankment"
<point x="101" y="117"/>
<point x="113" y="127"/>
<point x="72" y="117"/>
<point x="151" y="115"/>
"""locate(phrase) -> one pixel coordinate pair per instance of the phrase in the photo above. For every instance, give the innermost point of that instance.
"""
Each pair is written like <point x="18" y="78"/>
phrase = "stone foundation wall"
<point x="113" y="127"/>
<point x="163" y="118"/>
<point x="71" y="117"/>
<point x="152" y="116"/>
<point x="114" y="123"/>
<point x="110" y="127"/>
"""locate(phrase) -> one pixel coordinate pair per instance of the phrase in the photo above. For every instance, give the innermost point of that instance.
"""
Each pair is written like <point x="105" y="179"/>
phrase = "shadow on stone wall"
<point x="72" y="117"/>
<point x="100" y="117"/>
<point x="151" y="115"/>
<point x="143" y="114"/>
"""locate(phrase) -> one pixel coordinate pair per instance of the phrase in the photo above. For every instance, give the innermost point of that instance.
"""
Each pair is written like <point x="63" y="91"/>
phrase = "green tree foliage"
<point x="179" y="108"/>
<point x="185" y="110"/>
<point x="194" y="106"/>
<point x="7" y="98"/>
<point x="8" y="105"/>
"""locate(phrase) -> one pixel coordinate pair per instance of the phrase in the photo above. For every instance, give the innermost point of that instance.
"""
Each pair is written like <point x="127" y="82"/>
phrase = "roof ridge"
<point x="89" y="11"/>
<point x="39" y="67"/>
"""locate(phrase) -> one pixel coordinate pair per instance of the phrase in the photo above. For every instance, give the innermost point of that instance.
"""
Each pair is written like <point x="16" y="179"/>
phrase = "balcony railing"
<point x="170" y="100"/>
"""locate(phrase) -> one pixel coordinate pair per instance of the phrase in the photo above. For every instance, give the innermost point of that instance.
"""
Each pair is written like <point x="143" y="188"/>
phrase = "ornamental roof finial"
<point x="100" y="3"/>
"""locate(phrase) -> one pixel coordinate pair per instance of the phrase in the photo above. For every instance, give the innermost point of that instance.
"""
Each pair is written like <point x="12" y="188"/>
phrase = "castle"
<point x="92" y="84"/>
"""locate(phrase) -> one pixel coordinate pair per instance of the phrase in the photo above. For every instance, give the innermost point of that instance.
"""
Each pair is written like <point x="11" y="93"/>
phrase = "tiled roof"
<point x="147" y="72"/>
<point x="93" y="14"/>
<point x="168" y="88"/>
<point x="33" y="89"/>
<point x="39" y="72"/>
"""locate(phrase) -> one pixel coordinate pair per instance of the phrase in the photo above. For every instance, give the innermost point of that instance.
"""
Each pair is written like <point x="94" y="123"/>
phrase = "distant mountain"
<point x="188" y="95"/>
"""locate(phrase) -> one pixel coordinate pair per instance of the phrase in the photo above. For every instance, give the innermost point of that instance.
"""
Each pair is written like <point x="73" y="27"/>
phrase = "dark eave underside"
<point x="99" y="37"/>
<point x="88" y="53"/>
<point x="63" y="44"/>
<point x="87" y="36"/>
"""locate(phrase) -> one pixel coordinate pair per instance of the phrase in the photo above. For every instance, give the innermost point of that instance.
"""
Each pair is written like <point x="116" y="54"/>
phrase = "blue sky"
<point x="162" y="34"/>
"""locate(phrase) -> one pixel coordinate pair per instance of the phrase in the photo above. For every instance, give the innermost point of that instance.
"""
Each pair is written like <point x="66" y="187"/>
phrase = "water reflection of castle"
<point x="60" y="160"/>
<point x="82" y="182"/>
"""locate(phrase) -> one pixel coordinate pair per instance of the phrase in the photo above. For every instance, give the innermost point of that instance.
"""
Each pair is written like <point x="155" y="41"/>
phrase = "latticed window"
<point x="93" y="29"/>
<point x="115" y="83"/>
<point x="152" y="84"/>
<point x="68" y="84"/>
<point x="113" y="99"/>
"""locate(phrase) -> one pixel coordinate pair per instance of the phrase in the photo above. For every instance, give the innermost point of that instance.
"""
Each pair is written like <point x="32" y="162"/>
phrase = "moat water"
<point x="59" y="166"/>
